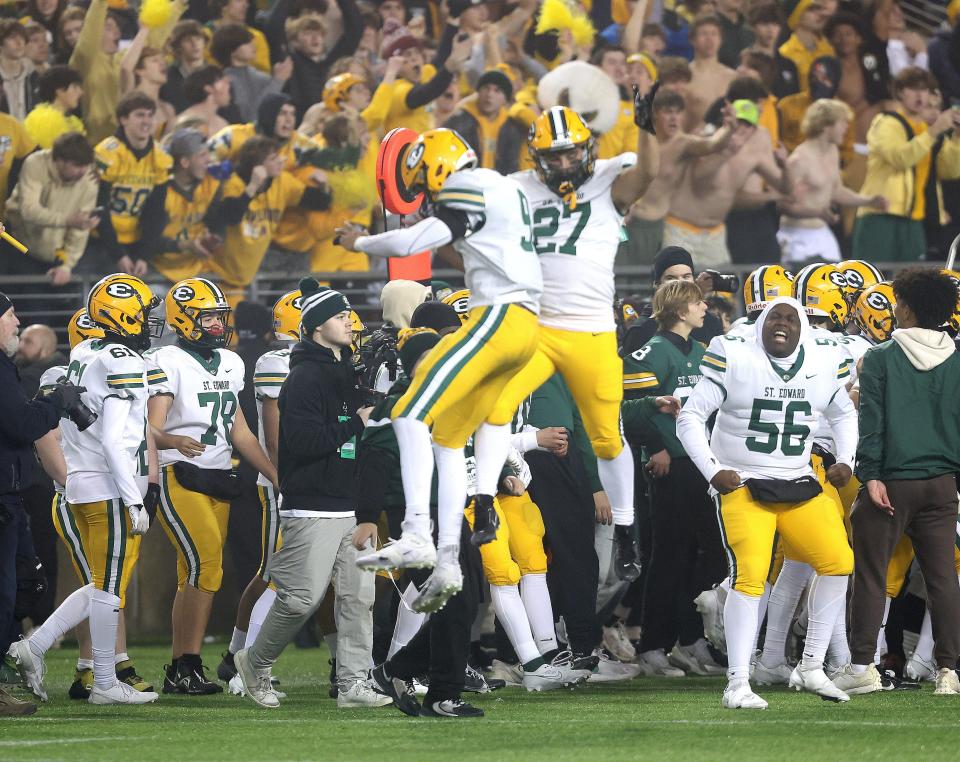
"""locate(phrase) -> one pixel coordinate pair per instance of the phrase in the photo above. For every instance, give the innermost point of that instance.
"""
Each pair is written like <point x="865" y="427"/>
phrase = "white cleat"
<point x="615" y="640"/>
<point x="655" y="664"/>
<point x="411" y="551"/>
<point x="546" y="677"/>
<point x="776" y="675"/>
<point x="691" y="660"/>
<point x="947" y="682"/>
<point x="445" y="582"/>
<point x="563" y="661"/>
<point x="256" y="682"/>
<point x="511" y="674"/>
<point x="120" y="693"/>
<point x="816" y="681"/>
<point x="609" y="670"/>
<point x="918" y="668"/>
<point x="32" y="667"/>
<point x="739" y="695"/>
<point x="361" y="695"/>
<point x="710" y="606"/>
<point x="854" y="684"/>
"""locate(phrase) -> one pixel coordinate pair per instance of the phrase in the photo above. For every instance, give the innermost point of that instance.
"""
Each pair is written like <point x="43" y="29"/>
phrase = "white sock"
<point x="761" y="611"/>
<point x="616" y="476"/>
<point x="84" y="663"/>
<point x="740" y="614"/>
<point x="408" y="623"/>
<point x="536" y="600"/>
<point x="104" y="616"/>
<point x="451" y="494"/>
<point x="838" y="652"/>
<point x="74" y="609"/>
<point x="491" y="445"/>
<point x="784" y="598"/>
<point x="122" y="656"/>
<point x="882" y="633"/>
<point x="331" y="640"/>
<point x="259" y="613"/>
<point x="513" y="617"/>
<point x="826" y="599"/>
<point x="416" y="470"/>
<point x="924" y="649"/>
<point x="238" y="640"/>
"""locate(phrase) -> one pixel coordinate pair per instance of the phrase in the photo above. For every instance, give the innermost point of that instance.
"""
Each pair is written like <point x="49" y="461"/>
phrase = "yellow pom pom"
<point x="583" y="31"/>
<point x="351" y="189"/>
<point x="554" y="16"/>
<point x="45" y="124"/>
<point x="155" y="13"/>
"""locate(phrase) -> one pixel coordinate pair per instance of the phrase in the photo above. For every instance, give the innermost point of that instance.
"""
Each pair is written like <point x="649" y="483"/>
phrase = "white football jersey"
<point x="743" y="328"/>
<point x="205" y="400"/>
<point x="105" y="370"/>
<point x="577" y="247"/>
<point x="268" y="376"/>
<point x="499" y="260"/>
<point x="853" y="348"/>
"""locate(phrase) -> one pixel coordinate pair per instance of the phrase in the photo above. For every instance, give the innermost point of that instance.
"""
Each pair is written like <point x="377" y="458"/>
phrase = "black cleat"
<point x="192" y="679"/>
<point x="225" y="669"/>
<point x="486" y="522"/>
<point x="586" y="662"/>
<point x="170" y="679"/>
<point x="334" y="689"/>
<point x="453" y="709"/>
<point x="474" y="682"/>
<point x="399" y="690"/>
<point x="83" y="682"/>
<point x="625" y="558"/>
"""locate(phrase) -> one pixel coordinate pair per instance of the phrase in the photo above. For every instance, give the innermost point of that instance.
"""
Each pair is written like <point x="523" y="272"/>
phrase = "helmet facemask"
<point x="209" y="338"/>
<point x="565" y="181"/>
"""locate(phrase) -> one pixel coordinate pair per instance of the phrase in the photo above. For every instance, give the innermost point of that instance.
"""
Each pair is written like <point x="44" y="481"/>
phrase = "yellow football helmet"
<point x="121" y="304"/>
<point x="858" y="275"/>
<point x="188" y="302"/>
<point x="873" y="312"/>
<point x="286" y="317"/>
<point x="337" y="88"/>
<point x="819" y="288"/>
<point x="429" y="160"/>
<point x="358" y="328"/>
<point x="460" y="301"/>
<point x="954" y="321"/>
<point x="558" y="130"/>
<point x="81" y="327"/>
<point x="763" y="285"/>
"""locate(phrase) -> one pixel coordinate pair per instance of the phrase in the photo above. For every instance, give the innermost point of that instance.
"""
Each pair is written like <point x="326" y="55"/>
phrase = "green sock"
<point x="533" y="665"/>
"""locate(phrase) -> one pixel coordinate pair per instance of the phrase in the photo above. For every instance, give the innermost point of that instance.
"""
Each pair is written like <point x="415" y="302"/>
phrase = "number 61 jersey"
<point x="205" y="400"/>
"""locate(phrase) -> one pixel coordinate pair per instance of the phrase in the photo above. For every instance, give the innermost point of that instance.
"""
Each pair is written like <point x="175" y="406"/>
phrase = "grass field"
<point x="644" y="719"/>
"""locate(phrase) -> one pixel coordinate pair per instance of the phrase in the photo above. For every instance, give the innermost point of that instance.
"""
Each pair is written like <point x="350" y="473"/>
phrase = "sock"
<point x="838" y="652"/>
<point x="83" y="664"/>
<point x="784" y="598"/>
<point x="859" y="669"/>
<point x="331" y="640"/>
<point x="74" y="609"/>
<point x="826" y="599"/>
<point x="491" y="445"/>
<point x="451" y="494"/>
<point x="259" y="613"/>
<point x="762" y="612"/>
<point x="882" y="634"/>
<point x="416" y="471"/>
<point x="616" y="476"/>
<point x="120" y="657"/>
<point x="408" y="622"/>
<point x="513" y="617"/>
<point x="536" y="601"/>
<point x="104" y="616"/>
<point x="237" y="641"/>
<point x="909" y="642"/>
<point x="924" y="649"/>
<point x="740" y="624"/>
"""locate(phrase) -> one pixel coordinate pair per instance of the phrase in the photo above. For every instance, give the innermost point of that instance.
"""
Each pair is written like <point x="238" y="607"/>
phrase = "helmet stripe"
<point x="563" y="122"/>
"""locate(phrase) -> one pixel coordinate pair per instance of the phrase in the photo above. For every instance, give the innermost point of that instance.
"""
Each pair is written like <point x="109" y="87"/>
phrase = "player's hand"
<point x="668" y="405"/>
<point x="839" y="475"/>
<point x="511" y="485"/>
<point x="726" y="481"/>
<point x="188" y="446"/>
<point x="364" y="414"/>
<point x="601" y="508"/>
<point x="659" y="464"/>
<point x="643" y="108"/>
<point x="139" y="519"/>
<point x="878" y="494"/>
<point x="152" y="500"/>
<point x="365" y="536"/>
<point x="855" y="397"/>
<point x="555" y="439"/>
<point x="59" y="276"/>
<point x="347" y="235"/>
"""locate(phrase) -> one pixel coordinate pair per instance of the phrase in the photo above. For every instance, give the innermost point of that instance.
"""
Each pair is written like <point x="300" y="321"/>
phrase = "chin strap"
<point x="569" y="194"/>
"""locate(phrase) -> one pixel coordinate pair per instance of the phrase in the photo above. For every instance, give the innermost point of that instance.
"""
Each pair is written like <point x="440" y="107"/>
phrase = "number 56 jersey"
<point x="205" y="400"/>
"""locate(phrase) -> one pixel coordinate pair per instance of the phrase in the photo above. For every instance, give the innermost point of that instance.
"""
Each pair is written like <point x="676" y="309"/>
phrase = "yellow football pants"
<point x="593" y="371"/>
<point x="197" y="527"/>
<point x="900" y="564"/>
<point x="111" y="551"/>
<point x="270" y="539"/>
<point x="812" y="529"/>
<point x="518" y="546"/>
<point x="66" y="526"/>
<point x="461" y="378"/>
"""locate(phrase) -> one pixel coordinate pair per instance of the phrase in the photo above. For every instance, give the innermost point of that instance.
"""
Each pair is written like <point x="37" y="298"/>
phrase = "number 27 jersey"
<point x="205" y="400"/>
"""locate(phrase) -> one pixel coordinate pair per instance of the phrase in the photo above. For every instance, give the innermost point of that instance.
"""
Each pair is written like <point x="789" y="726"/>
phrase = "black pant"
<point x="687" y="557"/>
<point x="561" y="490"/>
<point x="633" y="599"/>
<point x="14" y="541"/>
<point x="38" y="502"/>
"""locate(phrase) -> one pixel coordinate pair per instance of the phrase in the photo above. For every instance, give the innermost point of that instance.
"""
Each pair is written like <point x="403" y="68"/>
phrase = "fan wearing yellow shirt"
<point x="15" y="145"/>
<point x="235" y="12"/>
<point x="806" y="19"/>
<point x="625" y="133"/>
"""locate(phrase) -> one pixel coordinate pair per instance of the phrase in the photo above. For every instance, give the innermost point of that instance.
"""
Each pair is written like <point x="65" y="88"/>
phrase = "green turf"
<point x="645" y="719"/>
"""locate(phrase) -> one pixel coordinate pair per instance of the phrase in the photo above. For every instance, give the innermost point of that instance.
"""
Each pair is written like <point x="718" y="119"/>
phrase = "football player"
<point x="109" y="509"/>
<point x="197" y="421"/>
<point x="487" y="219"/>
<point x="771" y="395"/>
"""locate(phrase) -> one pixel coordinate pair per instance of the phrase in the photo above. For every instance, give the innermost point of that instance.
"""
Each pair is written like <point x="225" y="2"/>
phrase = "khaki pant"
<point x="707" y="246"/>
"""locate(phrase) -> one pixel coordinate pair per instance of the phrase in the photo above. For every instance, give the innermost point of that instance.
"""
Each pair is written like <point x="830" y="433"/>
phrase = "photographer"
<point x="22" y="422"/>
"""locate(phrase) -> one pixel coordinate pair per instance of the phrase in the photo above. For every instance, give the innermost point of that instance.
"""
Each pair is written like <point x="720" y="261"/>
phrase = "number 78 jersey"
<point x="205" y="400"/>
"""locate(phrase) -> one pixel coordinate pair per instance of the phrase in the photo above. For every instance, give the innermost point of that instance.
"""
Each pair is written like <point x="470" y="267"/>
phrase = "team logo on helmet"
<point x="878" y="300"/>
<point x="120" y="290"/>
<point x="84" y="322"/>
<point x="838" y="279"/>
<point x="854" y="279"/>
<point x="182" y="293"/>
<point x="416" y="153"/>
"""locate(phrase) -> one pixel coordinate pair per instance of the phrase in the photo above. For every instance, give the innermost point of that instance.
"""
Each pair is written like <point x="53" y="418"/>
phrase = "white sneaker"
<point x="411" y="551"/>
<point x="120" y="693"/>
<point x="256" y="682"/>
<point x="609" y="670"/>
<point x="918" y="668"/>
<point x="947" y="682"/>
<point x="235" y="687"/>
<point x="419" y="689"/>
<point x="615" y="640"/>
<point x="701" y="650"/>
<point x="687" y="659"/>
<point x="739" y="695"/>
<point x="32" y="667"/>
<point x="655" y="664"/>
<point x="511" y="674"/>
<point x="563" y="661"/>
<point x="545" y="678"/>
<point x="710" y="606"/>
<point x="854" y="684"/>
<point x="778" y="674"/>
<point x="816" y="681"/>
<point x="361" y="695"/>
<point x="445" y="582"/>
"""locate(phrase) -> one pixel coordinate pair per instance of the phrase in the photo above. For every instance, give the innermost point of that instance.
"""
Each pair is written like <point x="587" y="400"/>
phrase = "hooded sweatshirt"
<point x="400" y="298"/>
<point x="910" y="407"/>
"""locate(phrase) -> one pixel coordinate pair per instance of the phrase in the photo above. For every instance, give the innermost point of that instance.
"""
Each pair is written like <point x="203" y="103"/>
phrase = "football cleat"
<point x="918" y="668"/>
<point x="445" y="582"/>
<point x="411" y="551"/>
<point x="82" y="683"/>
<point x="546" y="677"/>
<point x="778" y="674"/>
<point x="191" y="679"/>
<point x="609" y="670"/>
<point x="571" y="675"/>
<point x="615" y="640"/>
<point x="655" y="664"/>
<point x="32" y="667"/>
<point x="170" y="679"/>
<point x="856" y="684"/>
<point x="689" y="659"/>
<point x="583" y="663"/>
<point x="361" y="695"/>
<point x="947" y="682"/>
<point x="11" y="706"/>
<point x="225" y="669"/>
<point x="127" y="673"/>
<point x="486" y="522"/>
<point x="120" y="693"/>
<point x="399" y="691"/>
<point x="626" y="561"/>
<point x="475" y="682"/>
<point x="510" y="674"/>
<point x="451" y="709"/>
<point x="710" y="607"/>
<point x="739" y="695"/>
<point x="816" y="681"/>
<point x="256" y="682"/>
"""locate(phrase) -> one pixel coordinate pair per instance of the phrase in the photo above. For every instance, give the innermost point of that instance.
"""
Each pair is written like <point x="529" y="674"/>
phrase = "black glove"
<point x="65" y="396"/>
<point x="456" y="7"/>
<point x="643" y="108"/>
<point x="151" y="500"/>
<point x="625" y="561"/>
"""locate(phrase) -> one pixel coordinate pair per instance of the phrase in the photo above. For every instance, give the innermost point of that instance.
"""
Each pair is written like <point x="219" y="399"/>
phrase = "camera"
<point x="370" y="397"/>
<point x="82" y="416"/>
<point x="723" y="281"/>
